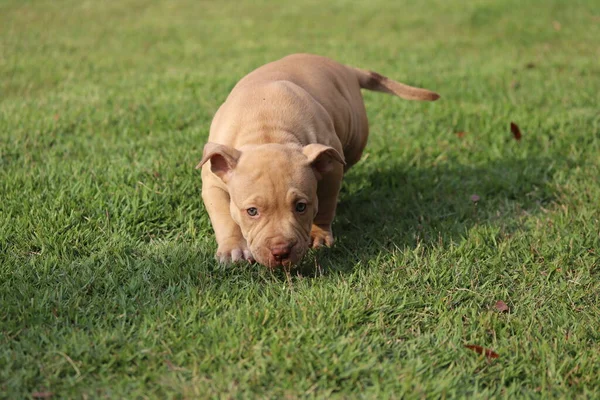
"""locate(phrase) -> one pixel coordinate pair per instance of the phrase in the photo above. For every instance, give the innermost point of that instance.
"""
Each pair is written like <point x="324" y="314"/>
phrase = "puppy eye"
<point x="252" y="211"/>
<point x="300" y="207"/>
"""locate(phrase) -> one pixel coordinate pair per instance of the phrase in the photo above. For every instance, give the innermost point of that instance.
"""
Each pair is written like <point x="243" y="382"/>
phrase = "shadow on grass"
<point x="382" y="208"/>
<point x="385" y="207"/>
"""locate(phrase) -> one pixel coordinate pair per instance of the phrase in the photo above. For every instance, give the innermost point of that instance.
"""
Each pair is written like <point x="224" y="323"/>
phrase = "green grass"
<point x="108" y="287"/>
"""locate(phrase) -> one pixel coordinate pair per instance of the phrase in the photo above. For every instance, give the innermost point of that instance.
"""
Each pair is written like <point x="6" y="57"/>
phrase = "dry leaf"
<point x="556" y="25"/>
<point x="482" y="350"/>
<point x="516" y="131"/>
<point x="42" y="395"/>
<point x="173" y="367"/>
<point x="460" y="134"/>
<point x="530" y="65"/>
<point x="501" y="306"/>
<point x="475" y="198"/>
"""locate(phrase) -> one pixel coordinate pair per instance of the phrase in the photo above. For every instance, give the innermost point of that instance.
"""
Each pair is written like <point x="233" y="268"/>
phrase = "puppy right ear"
<point x="321" y="158"/>
<point x="223" y="159"/>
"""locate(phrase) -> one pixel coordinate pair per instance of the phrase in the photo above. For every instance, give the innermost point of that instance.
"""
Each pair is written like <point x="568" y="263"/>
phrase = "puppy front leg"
<point x="232" y="246"/>
<point x="327" y="192"/>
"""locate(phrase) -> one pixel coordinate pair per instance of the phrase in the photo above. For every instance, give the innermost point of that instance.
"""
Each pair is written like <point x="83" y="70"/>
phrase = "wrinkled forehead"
<point x="271" y="157"/>
<point x="272" y="172"/>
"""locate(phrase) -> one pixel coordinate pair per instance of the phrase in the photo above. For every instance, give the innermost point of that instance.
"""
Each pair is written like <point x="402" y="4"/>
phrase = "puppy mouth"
<point x="297" y="252"/>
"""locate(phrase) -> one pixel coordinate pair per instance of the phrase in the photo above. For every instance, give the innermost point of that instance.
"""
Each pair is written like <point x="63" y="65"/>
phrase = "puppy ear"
<point x="321" y="158"/>
<point x="223" y="159"/>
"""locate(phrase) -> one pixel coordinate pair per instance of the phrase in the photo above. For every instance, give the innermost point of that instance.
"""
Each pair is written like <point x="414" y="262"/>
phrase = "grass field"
<point x="108" y="286"/>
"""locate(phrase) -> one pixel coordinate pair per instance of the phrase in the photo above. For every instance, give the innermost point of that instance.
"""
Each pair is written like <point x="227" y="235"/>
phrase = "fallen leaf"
<point x="42" y="395"/>
<point x="475" y="198"/>
<point x="501" y="306"/>
<point x="173" y="367"/>
<point x="56" y="116"/>
<point x="460" y="134"/>
<point x="482" y="350"/>
<point x="530" y="65"/>
<point x="556" y="25"/>
<point x="516" y="131"/>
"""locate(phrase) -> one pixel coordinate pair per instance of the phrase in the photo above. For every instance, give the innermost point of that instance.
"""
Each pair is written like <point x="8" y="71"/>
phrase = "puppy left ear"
<point x="223" y="159"/>
<point x="322" y="158"/>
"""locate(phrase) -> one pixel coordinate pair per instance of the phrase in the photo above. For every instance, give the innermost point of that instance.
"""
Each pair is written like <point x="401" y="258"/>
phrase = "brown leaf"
<point x="556" y="25"/>
<point x="42" y="395"/>
<point x="482" y="350"/>
<point x="501" y="306"/>
<point x="460" y="134"/>
<point x="516" y="131"/>
<point x="530" y="65"/>
<point x="56" y="117"/>
<point x="173" y="367"/>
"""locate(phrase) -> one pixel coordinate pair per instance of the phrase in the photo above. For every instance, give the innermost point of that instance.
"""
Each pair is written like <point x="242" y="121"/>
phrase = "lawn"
<point x="108" y="285"/>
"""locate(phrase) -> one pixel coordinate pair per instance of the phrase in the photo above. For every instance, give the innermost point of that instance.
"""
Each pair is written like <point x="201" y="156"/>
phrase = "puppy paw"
<point x="234" y="252"/>
<point x="321" y="235"/>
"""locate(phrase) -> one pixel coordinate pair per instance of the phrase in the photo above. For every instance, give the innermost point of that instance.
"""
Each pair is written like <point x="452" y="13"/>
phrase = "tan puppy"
<point x="278" y="148"/>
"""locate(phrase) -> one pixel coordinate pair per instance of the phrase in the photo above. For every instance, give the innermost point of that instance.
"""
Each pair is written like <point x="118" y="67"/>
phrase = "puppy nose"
<point x="281" y="252"/>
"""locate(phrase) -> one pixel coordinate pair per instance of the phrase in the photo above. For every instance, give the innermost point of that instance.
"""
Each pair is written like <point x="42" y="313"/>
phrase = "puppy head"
<point x="273" y="194"/>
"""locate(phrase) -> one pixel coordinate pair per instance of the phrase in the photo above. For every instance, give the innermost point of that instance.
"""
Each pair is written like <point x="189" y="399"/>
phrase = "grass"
<point x="108" y="287"/>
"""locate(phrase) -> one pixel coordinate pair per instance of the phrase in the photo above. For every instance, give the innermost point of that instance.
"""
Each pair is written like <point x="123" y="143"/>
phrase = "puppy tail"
<point x="373" y="81"/>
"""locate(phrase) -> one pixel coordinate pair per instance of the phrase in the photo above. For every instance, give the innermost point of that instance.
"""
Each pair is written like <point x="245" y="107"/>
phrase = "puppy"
<point x="277" y="151"/>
